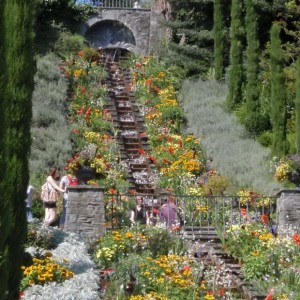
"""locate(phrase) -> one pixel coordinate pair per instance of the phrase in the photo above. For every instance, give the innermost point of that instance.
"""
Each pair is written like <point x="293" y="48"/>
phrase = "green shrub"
<point x="265" y="138"/>
<point x="68" y="43"/>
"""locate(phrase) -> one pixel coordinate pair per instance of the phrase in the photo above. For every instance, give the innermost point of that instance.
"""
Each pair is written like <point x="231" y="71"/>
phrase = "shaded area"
<point x="110" y="34"/>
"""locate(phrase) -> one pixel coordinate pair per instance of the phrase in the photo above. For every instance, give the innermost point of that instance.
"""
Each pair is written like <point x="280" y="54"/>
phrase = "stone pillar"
<point x="288" y="209"/>
<point x="85" y="211"/>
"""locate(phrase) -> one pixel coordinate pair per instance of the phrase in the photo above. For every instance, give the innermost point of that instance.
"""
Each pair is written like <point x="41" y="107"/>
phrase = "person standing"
<point x="139" y="215"/>
<point x="168" y="212"/>
<point x="28" y="202"/>
<point x="66" y="180"/>
<point x="52" y="190"/>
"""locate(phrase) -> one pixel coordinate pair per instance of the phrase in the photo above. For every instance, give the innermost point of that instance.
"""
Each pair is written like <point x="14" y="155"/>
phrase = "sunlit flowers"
<point x="44" y="270"/>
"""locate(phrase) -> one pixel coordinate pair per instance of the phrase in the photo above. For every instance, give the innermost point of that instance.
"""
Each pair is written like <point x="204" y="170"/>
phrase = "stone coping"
<point x="84" y="187"/>
<point x="291" y="191"/>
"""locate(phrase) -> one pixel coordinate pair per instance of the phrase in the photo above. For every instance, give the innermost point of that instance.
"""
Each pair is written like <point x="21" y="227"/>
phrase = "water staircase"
<point x="129" y="122"/>
<point x="128" y="119"/>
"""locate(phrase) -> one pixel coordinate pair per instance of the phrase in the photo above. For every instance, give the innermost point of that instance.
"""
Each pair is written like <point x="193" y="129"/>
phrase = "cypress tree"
<point x="219" y="40"/>
<point x="278" y="93"/>
<point x="297" y="106"/>
<point x="17" y="49"/>
<point x="236" y="77"/>
<point x="252" y="121"/>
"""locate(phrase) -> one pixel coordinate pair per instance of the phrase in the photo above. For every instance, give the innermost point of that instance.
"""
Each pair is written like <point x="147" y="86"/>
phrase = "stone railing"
<point x="115" y="3"/>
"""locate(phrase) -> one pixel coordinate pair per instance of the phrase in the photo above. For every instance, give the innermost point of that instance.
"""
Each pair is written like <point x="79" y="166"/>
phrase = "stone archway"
<point x="110" y="34"/>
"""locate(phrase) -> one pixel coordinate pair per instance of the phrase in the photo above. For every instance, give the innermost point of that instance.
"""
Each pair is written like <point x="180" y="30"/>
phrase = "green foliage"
<point x="191" y="44"/>
<point x="49" y="130"/>
<point x="252" y="120"/>
<point x="17" y="22"/>
<point x="219" y="33"/>
<point x="68" y="44"/>
<point x="297" y="107"/>
<point x="278" y="94"/>
<point x="236" y="72"/>
<point x="265" y="139"/>
<point x="55" y="17"/>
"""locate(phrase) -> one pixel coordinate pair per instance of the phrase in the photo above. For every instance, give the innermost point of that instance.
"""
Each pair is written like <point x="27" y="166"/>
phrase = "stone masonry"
<point x="85" y="211"/>
<point x="288" y="209"/>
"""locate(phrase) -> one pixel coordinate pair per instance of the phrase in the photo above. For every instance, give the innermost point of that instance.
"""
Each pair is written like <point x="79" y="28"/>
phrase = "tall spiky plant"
<point x="17" y="38"/>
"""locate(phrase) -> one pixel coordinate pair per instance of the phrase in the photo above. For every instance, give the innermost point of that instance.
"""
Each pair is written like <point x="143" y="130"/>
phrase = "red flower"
<point x="165" y="161"/>
<point x="138" y="65"/>
<point x="141" y="151"/>
<point x="243" y="211"/>
<point x="171" y="150"/>
<point x="269" y="297"/>
<point x="152" y="158"/>
<point x="180" y="143"/>
<point x="83" y="90"/>
<point x="76" y="131"/>
<point x="221" y="292"/>
<point x="296" y="238"/>
<point x="156" y="88"/>
<point x="112" y="191"/>
<point x="265" y="219"/>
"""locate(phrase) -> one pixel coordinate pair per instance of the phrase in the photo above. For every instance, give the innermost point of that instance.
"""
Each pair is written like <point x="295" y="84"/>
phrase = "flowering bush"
<point x="113" y="247"/>
<point x="268" y="259"/>
<point x="253" y="199"/>
<point x="44" y="270"/>
<point x="93" y="134"/>
<point x="177" y="156"/>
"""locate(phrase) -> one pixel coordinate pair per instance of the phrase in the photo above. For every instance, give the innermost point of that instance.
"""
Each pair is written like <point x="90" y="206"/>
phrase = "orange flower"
<point x="148" y="81"/>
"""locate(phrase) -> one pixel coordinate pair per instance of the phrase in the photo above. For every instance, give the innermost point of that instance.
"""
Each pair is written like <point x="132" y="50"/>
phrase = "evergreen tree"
<point x="252" y="121"/>
<point x="236" y="76"/>
<point x="191" y="45"/>
<point x="219" y="40"/>
<point x="297" y="106"/>
<point x="17" y="38"/>
<point x="278" y="93"/>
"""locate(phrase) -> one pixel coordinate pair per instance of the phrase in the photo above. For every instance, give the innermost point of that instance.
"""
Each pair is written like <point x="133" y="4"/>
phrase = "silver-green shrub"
<point x="50" y="132"/>
<point x="243" y="160"/>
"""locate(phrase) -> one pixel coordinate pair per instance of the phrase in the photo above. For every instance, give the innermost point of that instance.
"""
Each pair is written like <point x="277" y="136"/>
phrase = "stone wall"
<point x="288" y="209"/>
<point x="113" y="27"/>
<point x="85" y="211"/>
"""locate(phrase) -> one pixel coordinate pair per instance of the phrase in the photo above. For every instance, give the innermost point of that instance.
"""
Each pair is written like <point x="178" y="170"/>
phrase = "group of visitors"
<point x="167" y="214"/>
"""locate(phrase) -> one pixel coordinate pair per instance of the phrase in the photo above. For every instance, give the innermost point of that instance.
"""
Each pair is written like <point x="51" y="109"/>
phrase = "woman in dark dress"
<point x="139" y="215"/>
